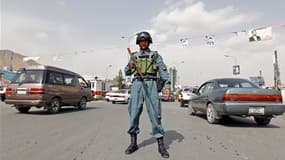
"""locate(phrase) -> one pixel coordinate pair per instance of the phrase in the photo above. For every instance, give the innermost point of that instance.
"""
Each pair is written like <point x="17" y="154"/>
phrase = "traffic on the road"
<point x="38" y="90"/>
<point x="163" y="90"/>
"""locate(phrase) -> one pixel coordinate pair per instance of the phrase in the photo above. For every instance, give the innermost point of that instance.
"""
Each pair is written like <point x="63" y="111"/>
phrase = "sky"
<point x="86" y="36"/>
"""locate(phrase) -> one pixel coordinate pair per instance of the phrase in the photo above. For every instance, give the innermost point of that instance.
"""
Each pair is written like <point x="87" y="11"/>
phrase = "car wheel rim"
<point x="55" y="106"/>
<point x="210" y="114"/>
<point x="83" y="103"/>
<point x="191" y="110"/>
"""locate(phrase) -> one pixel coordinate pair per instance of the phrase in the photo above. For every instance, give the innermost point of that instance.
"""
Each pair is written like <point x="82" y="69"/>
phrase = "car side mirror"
<point x="89" y="84"/>
<point x="195" y="91"/>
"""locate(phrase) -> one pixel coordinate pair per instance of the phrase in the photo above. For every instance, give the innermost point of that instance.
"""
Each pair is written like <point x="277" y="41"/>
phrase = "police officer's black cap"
<point x="143" y="36"/>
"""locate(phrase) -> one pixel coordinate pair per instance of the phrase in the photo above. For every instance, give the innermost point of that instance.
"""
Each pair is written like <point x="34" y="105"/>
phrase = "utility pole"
<point x="11" y="61"/>
<point x="277" y="81"/>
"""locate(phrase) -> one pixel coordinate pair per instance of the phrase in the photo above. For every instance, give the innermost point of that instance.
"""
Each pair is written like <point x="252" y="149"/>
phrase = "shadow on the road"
<point x="63" y="110"/>
<point x="170" y="137"/>
<point x="235" y="121"/>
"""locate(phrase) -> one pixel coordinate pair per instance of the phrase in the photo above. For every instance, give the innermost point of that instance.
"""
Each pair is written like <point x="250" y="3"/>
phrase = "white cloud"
<point x="62" y="3"/>
<point x="60" y="44"/>
<point x="204" y="62"/>
<point x="195" y="18"/>
<point x="41" y="35"/>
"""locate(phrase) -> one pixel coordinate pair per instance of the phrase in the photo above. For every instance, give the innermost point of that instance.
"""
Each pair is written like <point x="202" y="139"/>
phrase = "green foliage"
<point x="118" y="81"/>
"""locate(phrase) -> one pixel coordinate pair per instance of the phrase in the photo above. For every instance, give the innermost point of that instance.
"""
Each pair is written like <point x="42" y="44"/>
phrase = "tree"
<point x="119" y="80"/>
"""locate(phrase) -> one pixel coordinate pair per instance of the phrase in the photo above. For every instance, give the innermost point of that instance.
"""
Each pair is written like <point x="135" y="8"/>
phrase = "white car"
<point x="2" y="93"/>
<point x="122" y="95"/>
<point x="283" y="94"/>
<point x="187" y="94"/>
<point x="108" y="95"/>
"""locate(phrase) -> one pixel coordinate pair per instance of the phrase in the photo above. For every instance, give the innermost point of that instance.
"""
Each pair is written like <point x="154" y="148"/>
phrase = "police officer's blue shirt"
<point x="162" y="69"/>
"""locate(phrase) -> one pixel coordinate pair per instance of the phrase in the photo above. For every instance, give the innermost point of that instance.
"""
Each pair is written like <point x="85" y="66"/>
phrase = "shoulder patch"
<point x="154" y="54"/>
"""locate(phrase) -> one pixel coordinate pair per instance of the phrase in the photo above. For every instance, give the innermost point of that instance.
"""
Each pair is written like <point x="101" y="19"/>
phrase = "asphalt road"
<point x="99" y="133"/>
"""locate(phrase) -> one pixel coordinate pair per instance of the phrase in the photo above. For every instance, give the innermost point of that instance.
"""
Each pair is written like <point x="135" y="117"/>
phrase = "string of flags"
<point x="59" y="57"/>
<point x="254" y="35"/>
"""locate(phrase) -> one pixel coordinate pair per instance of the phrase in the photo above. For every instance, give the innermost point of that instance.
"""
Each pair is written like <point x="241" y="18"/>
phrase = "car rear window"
<point x="28" y="76"/>
<point x="121" y="91"/>
<point x="235" y="83"/>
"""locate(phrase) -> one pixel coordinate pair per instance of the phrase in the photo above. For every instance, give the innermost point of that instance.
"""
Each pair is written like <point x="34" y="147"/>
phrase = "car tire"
<point x="212" y="115"/>
<point x="192" y="111"/>
<point x="54" y="106"/>
<point x="82" y="104"/>
<point x="113" y="102"/>
<point x="182" y="103"/>
<point x="262" y="121"/>
<point x="3" y="97"/>
<point x="23" y="109"/>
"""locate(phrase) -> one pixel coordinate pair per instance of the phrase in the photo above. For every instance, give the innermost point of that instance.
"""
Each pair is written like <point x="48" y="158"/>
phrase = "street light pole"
<point x="235" y="58"/>
<point x="236" y="68"/>
<point x="11" y="61"/>
<point x="107" y="71"/>
<point x="178" y="70"/>
<point x="129" y="40"/>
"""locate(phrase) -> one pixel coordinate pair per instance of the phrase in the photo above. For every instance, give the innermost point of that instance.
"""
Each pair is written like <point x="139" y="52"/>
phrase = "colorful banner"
<point x="257" y="34"/>
<point x="260" y="34"/>
<point x="210" y="40"/>
<point x="184" y="42"/>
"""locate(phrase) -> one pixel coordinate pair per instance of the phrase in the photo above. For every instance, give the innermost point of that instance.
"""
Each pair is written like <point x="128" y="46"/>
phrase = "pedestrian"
<point x="145" y="88"/>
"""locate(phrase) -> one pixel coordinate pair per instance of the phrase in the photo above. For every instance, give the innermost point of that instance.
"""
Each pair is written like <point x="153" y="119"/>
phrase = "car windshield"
<point x="235" y="83"/>
<point x="28" y="76"/>
<point x="188" y="90"/>
<point x="122" y="91"/>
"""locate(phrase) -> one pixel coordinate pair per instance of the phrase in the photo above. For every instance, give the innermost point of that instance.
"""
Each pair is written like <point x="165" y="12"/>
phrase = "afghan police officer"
<point x="144" y="88"/>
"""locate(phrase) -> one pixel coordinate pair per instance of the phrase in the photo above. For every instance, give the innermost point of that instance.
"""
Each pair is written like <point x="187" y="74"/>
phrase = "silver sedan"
<point x="233" y="96"/>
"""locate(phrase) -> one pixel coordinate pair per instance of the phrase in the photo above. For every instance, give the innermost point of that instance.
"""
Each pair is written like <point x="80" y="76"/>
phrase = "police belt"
<point x="145" y="78"/>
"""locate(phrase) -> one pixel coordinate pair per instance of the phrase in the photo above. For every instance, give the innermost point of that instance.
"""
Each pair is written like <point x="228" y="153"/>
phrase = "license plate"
<point x="21" y="92"/>
<point x="256" y="110"/>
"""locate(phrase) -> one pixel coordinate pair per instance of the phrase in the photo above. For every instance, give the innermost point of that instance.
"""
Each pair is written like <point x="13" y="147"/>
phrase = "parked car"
<point x="186" y="95"/>
<point x="2" y="93"/>
<point x="3" y="85"/>
<point x="283" y="93"/>
<point x="108" y="95"/>
<point x="240" y="97"/>
<point x="170" y="98"/>
<point x="48" y="87"/>
<point x="122" y="95"/>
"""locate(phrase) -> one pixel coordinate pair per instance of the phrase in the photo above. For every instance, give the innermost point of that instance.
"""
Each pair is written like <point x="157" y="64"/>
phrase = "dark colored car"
<point x="240" y="97"/>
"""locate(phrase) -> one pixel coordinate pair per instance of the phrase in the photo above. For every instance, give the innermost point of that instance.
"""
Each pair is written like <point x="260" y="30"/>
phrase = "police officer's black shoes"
<point x="133" y="146"/>
<point x="161" y="148"/>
